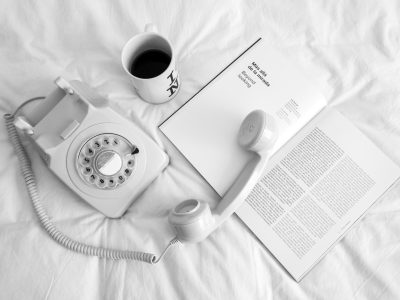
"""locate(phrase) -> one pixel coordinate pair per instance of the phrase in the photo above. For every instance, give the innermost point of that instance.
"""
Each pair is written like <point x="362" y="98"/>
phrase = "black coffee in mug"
<point x="150" y="63"/>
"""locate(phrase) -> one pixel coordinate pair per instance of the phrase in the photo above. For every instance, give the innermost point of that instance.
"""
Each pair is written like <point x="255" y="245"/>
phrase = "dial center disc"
<point x="108" y="163"/>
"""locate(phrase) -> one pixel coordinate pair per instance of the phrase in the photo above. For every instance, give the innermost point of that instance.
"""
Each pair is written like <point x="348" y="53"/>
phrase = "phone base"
<point x="104" y="158"/>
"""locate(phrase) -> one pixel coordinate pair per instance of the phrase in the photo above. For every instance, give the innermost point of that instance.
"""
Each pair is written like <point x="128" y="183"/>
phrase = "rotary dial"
<point x="106" y="161"/>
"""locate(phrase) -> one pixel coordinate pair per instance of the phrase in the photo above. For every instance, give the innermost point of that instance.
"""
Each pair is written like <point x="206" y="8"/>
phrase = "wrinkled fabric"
<point x="350" y="49"/>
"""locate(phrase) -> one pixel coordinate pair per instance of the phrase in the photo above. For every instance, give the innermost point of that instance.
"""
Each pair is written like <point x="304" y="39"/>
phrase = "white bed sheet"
<point x="350" y="49"/>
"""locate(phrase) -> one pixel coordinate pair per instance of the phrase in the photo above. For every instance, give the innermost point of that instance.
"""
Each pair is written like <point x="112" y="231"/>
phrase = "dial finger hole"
<point x="121" y="179"/>
<point x="130" y="163"/>
<point x="101" y="182"/>
<point x="96" y="145"/>
<point x="89" y="151"/>
<point x="87" y="170"/>
<point x="127" y="172"/>
<point x="115" y="142"/>
<point x="92" y="178"/>
<point x="111" y="182"/>
<point x="85" y="160"/>
<point x="106" y="141"/>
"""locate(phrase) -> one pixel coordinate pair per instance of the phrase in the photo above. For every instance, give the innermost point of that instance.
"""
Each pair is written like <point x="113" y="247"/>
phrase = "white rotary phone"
<point x="108" y="161"/>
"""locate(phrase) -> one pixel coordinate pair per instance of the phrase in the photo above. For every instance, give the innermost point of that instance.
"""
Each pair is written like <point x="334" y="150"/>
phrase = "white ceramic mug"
<point x="158" y="89"/>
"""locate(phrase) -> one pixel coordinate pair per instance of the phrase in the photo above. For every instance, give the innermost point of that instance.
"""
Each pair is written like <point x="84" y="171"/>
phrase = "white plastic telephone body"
<point x="106" y="159"/>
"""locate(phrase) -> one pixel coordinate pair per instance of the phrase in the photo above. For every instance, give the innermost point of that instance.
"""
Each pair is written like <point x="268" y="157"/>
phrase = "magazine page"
<point x="205" y="128"/>
<point x="314" y="189"/>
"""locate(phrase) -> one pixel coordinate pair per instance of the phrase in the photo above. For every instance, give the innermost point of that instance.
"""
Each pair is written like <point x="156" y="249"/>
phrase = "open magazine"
<point x="323" y="175"/>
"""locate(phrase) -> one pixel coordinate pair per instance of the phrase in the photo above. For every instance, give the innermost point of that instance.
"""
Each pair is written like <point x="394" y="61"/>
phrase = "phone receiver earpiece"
<point x="193" y="219"/>
<point x="258" y="131"/>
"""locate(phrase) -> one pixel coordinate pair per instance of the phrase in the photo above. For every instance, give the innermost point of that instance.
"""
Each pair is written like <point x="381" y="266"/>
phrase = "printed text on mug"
<point x="173" y="86"/>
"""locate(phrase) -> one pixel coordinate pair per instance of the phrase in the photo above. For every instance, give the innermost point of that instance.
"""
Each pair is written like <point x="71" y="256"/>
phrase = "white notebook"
<point x="324" y="173"/>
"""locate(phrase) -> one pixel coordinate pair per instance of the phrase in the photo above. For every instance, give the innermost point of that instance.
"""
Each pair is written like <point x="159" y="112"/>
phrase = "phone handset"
<point x="193" y="219"/>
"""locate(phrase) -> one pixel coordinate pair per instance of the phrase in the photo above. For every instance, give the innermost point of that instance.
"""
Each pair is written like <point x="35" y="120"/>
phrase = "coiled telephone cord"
<point x="55" y="234"/>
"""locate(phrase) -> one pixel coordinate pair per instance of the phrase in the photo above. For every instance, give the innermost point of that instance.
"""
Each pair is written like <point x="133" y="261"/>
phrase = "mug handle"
<point x="150" y="27"/>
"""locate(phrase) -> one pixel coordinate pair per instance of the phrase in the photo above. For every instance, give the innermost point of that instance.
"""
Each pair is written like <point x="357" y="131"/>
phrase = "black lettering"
<point x="173" y="87"/>
<point x="171" y="76"/>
